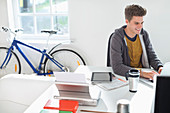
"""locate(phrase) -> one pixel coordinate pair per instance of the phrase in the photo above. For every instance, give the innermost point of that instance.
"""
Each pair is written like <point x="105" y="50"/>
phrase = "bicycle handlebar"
<point x="17" y="30"/>
<point x="5" y="29"/>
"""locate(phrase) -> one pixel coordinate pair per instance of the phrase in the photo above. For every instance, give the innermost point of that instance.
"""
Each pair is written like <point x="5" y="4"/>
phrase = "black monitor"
<point x="162" y="95"/>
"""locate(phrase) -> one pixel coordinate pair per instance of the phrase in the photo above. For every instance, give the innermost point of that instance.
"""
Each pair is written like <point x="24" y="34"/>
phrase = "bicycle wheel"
<point x="13" y="66"/>
<point x="68" y="58"/>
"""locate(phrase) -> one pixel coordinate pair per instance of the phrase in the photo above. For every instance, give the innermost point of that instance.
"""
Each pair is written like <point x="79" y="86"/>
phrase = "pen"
<point x="96" y="111"/>
<point x="121" y="80"/>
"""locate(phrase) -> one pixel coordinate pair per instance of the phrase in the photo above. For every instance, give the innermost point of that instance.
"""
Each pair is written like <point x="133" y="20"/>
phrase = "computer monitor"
<point x="166" y="69"/>
<point x="161" y="103"/>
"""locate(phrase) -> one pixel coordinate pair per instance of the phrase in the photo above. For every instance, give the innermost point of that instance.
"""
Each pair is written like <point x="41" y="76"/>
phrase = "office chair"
<point x="108" y="51"/>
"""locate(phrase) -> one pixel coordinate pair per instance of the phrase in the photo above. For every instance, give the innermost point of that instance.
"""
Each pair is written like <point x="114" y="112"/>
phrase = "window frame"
<point x="35" y="36"/>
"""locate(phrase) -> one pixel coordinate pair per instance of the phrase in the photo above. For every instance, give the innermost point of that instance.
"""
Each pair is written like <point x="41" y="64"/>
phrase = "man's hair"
<point x="134" y="10"/>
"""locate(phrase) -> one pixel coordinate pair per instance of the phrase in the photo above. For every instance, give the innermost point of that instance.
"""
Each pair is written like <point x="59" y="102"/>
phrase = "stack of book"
<point x="62" y="106"/>
<point x="54" y="111"/>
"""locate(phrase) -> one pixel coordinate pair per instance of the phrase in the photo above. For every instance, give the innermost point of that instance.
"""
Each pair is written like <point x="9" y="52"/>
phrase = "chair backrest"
<point x="108" y="51"/>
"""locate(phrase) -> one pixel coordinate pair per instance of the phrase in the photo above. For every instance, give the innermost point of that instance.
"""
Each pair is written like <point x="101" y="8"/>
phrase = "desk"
<point x="19" y="91"/>
<point x="140" y="102"/>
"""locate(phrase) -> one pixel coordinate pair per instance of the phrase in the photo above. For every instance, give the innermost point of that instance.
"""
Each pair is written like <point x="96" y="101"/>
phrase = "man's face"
<point x="135" y="25"/>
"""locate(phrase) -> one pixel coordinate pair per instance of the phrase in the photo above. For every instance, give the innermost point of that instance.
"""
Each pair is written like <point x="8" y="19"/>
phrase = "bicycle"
<point x="62" y="60"/>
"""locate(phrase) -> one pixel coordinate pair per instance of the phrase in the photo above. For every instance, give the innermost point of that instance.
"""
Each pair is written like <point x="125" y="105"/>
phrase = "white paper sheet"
<point x="70" y="77"/>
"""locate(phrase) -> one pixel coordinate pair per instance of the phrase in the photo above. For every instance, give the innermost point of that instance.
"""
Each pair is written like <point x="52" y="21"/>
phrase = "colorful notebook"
<point x="62" y="105"/>
<point x="54" y="111"/>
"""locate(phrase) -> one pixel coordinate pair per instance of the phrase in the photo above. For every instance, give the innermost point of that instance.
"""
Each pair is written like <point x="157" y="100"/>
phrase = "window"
<point x="35" y="15"/>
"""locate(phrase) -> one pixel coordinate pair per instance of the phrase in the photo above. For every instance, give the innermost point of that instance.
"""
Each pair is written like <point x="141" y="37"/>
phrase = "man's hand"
<point x="148" y="74"/>
<point x="160" y="70"/>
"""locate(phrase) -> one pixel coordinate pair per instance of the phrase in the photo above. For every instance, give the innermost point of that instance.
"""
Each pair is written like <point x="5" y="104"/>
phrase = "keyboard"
<point x="147" y="82"/>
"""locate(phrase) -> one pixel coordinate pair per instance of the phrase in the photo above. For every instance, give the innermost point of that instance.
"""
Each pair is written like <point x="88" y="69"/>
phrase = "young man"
<point x="130" y="46"/>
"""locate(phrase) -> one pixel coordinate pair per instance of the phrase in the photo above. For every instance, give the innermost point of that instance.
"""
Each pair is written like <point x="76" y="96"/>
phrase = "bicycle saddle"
<point x="49" y="31"/>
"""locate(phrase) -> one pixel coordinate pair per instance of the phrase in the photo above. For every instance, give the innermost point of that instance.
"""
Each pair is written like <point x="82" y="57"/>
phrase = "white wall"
<point x="3" y="21"/>
<point x="92" y="21"/>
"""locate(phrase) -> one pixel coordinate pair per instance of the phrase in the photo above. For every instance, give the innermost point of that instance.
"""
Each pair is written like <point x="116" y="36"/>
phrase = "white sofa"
<point x="18" y="92"/>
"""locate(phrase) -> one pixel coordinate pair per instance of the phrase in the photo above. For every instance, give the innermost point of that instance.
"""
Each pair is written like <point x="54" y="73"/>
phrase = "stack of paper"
<point x="70" y="77"/>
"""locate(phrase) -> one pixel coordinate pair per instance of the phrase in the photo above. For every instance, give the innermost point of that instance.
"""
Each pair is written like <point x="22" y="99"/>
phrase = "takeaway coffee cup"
<point x="133" y="77"/>
<point x="123" y="106"/>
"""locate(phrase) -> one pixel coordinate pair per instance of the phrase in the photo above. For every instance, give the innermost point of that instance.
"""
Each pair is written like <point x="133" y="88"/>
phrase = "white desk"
<point x="30" y="94"/>
<point x="140" y="102"/>
<point x="18" y="91"/>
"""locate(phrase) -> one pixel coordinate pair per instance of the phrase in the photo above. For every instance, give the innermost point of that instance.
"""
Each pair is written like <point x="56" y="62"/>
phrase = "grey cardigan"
<point x="118" y="52"/>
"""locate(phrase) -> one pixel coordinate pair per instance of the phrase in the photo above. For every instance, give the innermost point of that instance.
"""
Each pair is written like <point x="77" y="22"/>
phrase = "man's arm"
<point x="116" y="59"/>
<point x="152" y="57"/>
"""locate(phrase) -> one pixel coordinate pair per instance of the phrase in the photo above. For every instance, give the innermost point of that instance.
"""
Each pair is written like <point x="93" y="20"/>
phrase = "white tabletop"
<point x="140" y="102"/>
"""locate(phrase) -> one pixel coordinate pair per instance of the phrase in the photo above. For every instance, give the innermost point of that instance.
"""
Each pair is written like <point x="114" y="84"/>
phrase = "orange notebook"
<point x="63" y="105"/>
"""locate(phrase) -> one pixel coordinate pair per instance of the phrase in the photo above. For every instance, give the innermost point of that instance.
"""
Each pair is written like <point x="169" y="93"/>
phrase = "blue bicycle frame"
<point x="15" y="42"/>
